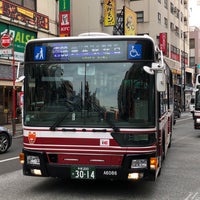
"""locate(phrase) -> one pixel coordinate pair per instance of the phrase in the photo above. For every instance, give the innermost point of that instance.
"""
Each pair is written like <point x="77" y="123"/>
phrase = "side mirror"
<point x="20" y="79"/>
<point x="160" y="81"/>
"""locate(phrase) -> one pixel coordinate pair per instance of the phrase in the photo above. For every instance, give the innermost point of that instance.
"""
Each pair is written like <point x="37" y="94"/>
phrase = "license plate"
<point x="83" y="172"/>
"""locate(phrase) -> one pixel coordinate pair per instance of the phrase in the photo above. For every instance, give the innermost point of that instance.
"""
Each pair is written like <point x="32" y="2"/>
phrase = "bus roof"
<point x="92" y="36"/>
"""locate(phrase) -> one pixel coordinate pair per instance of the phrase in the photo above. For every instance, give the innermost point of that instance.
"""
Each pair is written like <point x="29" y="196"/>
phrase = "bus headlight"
<point x="139" y="164"/>
<point x="198" y="120"/>
<point x="33" y="160"/>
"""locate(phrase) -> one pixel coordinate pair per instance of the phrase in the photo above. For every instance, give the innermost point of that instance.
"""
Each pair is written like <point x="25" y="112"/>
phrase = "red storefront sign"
<point x="64" y="23"/>
<point x="163" y="43"/>
<point x="6" y="40"/>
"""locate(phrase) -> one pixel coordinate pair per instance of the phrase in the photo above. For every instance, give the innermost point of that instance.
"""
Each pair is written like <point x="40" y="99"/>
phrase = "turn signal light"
<point x="21" y="158"/>
<point x="154" y="163"/>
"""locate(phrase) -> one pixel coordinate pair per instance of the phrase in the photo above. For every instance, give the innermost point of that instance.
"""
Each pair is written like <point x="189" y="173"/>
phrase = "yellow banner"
<point x="109" y="12"/>
<point x="1" y="8"/>
<point x="25" y="12"/>
<point x="130" y="22"/>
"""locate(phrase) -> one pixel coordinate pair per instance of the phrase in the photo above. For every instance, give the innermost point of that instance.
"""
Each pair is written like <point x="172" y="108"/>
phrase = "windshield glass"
<point x="89" y="95"/>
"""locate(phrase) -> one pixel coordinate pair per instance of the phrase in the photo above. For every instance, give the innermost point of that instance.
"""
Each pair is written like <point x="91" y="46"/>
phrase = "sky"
<point x="194" y="10"/>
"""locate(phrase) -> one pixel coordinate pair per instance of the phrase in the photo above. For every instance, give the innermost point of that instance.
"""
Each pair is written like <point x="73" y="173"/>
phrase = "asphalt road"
<point x="179" y="178"/>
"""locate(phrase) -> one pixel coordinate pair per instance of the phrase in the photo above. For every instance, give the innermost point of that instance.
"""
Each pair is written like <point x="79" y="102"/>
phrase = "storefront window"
<point x="31" y="4"/>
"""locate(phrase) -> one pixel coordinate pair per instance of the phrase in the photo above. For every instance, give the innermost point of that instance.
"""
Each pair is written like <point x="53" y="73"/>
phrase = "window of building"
<point x="159" y="18"/>
<point x="172" y="8"/>
<point x="177" y="13"/>
<point x="166" y="22"/>
<point x="17" y="1"/>
<point x="172" y="26"/>
<point x="140" y="16"/>
<point x="31" y="4"/>
<point x="192" y="61"/>
<point x="181" y="16"/>
<point x="177" y="31"/>
<point x="192" y="43"/>
<point x="166" y="4"/>
<point x="185" y="20"/>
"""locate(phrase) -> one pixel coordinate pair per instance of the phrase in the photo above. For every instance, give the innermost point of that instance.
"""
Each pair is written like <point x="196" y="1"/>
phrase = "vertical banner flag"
<point x="109" y="12"/>
<point x="64" y="18"/>
<point x="163" y="43"/>
<point x="130" y="22"/>
<point x="1" y="8"/>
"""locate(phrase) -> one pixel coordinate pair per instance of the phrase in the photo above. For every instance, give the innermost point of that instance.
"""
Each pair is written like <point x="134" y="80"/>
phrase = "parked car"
<point x="5" y="139"/>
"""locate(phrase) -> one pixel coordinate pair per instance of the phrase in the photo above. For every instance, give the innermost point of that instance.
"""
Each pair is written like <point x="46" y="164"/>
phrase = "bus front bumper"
<point x="37" y="164"/>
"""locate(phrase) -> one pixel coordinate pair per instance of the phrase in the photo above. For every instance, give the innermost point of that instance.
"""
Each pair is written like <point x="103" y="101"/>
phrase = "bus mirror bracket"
<point x="159" y="70"/>
<point x="19" y="78"/>
<point x="160" y="75"/>
<point x="160" y="81"/>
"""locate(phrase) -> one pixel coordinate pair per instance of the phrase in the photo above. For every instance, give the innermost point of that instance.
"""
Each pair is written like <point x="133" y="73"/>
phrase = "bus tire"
<point x="163" y="147"/>
<point x="170" y="141"/>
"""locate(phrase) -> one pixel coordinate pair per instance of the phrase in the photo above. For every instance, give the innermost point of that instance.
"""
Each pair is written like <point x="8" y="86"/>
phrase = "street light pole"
<point x="184" y="81"/>
<point x="13" y="90"/>
<point x="183" y="71"/>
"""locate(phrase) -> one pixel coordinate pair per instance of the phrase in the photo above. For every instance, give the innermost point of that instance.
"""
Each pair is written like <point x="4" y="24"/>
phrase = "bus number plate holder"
<point x="83" y="172"/>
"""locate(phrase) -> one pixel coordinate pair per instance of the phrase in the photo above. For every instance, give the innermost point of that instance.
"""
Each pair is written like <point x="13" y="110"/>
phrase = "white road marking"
<point x="9" y="159"/>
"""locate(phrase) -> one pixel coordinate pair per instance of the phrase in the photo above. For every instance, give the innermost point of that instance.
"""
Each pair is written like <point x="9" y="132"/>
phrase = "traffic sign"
<point x="6" y="40"/>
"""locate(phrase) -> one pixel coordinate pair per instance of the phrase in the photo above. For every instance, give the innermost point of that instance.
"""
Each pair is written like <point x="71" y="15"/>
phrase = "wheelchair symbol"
<point x="133" y="52"/>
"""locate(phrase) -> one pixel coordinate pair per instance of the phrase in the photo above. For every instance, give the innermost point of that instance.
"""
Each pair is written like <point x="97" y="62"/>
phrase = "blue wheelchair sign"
<point x="134" y="51"/>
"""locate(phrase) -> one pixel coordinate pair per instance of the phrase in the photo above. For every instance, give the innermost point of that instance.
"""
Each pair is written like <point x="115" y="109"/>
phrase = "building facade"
<point x="172" y="18"/>
<point x="164" y="20"/>
<point x="195" y="50"/>
<point x="20" y="21"/>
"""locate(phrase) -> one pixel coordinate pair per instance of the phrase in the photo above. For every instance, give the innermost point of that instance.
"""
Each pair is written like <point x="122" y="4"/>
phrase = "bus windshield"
<point x="117" y="94"/>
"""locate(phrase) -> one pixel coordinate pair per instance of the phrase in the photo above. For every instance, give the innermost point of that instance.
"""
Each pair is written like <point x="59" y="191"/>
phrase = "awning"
<point x="175" y="71"/>
<point x="10" y="83"/>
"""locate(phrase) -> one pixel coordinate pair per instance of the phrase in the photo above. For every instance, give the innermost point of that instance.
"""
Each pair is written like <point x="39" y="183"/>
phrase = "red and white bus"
<point x="96" y="107"/>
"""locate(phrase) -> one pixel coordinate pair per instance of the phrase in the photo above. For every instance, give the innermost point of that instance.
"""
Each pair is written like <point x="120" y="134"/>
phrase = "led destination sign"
<point x="89" y="51"/>
<point x="92" y="51"/>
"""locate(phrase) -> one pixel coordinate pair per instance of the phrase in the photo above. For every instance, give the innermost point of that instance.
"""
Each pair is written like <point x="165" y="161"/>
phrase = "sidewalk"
<point x="186" y="114"/>
<point x="18" y="132"/>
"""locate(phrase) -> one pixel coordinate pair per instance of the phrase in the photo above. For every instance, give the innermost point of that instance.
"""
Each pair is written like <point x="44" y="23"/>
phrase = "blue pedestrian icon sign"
<point x="40" y="53"/>
<point x="134" y="51"/>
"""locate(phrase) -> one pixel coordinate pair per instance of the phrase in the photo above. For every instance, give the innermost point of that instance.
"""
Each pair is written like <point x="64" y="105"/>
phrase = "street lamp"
<point x="183" y="69"/>
<point x="14" y="89"/>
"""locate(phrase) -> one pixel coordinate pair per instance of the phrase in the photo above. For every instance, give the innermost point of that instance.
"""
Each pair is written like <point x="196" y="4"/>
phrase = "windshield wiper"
<point x="58" y="121"/>
<point x="112" y="125"/>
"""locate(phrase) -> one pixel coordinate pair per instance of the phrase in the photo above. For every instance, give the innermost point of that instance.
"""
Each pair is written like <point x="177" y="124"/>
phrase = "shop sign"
<point x="6" y="40"/>
<point x="25" y="15"/>
<point x="20" y="38"/>
<point x="64" y="18"/>
<point x="5" y="52"/>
